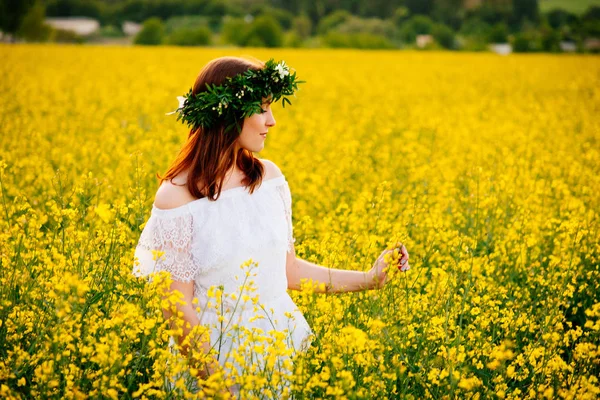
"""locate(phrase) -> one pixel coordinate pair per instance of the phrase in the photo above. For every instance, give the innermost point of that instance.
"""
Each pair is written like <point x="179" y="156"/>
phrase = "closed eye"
<point x="268" y="105"/>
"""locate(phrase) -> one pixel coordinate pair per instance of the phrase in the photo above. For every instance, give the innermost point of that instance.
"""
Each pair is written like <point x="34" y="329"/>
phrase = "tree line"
<point x="452" y="24"/>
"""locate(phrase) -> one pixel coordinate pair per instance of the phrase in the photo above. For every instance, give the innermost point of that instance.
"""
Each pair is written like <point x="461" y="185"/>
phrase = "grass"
<point x="575" y="6"/>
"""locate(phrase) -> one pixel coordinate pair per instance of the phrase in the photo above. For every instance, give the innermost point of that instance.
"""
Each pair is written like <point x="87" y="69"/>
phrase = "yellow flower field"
<point x="488" y="168"/>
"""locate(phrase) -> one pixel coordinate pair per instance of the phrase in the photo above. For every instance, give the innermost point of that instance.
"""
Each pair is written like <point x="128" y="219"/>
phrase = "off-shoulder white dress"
<point x="207" y="241"/>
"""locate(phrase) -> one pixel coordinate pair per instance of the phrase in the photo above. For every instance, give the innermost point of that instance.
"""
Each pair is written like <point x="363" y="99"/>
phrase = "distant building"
<point x="80" y="25"/>
<point x="568" y="47"/>
<point x="501" y="48"/>
<point x="131" y="28"/>
<point x="6" y="38"/>
<point x="591" y="44"/>
<point x="423" y="40"/>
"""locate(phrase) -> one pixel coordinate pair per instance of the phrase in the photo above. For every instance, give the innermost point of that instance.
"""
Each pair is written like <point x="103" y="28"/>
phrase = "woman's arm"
<point x="190" y="320"/>
<point x="335" y="280"/>
<point x="339" y="280"/>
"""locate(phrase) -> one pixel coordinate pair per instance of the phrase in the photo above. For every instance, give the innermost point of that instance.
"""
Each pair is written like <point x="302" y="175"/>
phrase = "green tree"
<point x="283" y="17"/>
<point x="498" y="33"/>
<point x="520" y="43"/>
<point x="152" y="32"/>
<point x="33" y="28"/>
<point x="592" y="13"/>
<point x="558" y="18"/>
<point x="12" y="13"/>
<point x="111" y="31"/>
<point x="333" y="20"/>
<point x="527" y="41"/>
<point x="476" y="33"/>
<point x="200" y="36"/>
<point x="373" y="8"/>
<point x="235" y="31"/>
<point x="65" y="36"/>
<point x="375" y="26"/>
<point x="75" y="8"/>
<point x="292" y="39"/>
<point x="590" y="23"/>
<point x="187" y="21"/>
<point x="492" y="12"/>
<point x="444" y="35"/>
<point x="266" y="30"/>
<point x="448" y="12"/>
<point x="255" y="41"/>
<point x="475" y="27"/>
<point x="422" y="25"/>
<point x="550" y="39"/>
<point x="400" y="15"/>
<point x="416" y="25"/>
<point x="423" y="7"/>
<point x="302" y="26"/>
<point x="360" y="40"/>
<point x="525" y="9"/>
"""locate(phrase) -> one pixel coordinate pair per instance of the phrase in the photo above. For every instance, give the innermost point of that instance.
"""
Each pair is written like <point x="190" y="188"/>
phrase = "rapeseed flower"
<point x="490" y="183"/>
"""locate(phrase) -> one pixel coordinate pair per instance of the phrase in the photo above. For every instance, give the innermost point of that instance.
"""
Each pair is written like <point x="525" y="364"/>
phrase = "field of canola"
<point x="488" y="167"/>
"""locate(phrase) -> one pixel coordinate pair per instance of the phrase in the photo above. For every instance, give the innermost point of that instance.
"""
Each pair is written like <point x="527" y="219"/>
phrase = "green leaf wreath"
<point x="239" y="97"/>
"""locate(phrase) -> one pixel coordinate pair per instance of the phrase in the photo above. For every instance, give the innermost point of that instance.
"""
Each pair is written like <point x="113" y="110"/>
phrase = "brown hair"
<point x="210" y="153"/>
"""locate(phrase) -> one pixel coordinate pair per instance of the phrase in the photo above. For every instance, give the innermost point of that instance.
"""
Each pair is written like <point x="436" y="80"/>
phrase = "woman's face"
<point x="253" y="133"/>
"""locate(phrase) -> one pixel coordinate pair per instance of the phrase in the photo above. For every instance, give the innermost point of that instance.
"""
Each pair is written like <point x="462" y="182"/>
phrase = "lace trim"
<point x="286" y="197"/>
<point x="166" y="244"/>
<point x="193" y="241"/>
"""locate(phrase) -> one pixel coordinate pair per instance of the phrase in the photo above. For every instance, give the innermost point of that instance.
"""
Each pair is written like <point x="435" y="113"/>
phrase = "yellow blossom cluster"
<point x="486" y="167"/>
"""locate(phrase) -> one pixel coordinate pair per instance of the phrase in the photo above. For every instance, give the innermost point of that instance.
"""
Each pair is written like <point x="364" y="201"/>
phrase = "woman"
<point x="218" y="207"/>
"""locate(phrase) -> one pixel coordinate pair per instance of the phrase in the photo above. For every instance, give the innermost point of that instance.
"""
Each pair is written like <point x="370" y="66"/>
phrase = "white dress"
<point x="207" y="241"/>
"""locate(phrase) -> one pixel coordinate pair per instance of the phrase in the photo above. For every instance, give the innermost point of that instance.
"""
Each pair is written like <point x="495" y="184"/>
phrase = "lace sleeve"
<point x="165" y="245"/>
<point x="286" y="197"/>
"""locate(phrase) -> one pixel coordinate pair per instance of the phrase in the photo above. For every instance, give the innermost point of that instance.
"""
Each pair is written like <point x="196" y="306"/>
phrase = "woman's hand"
<point x="211" y="368"/>
<point x="227" y="392"/>
<point x="230" y="393"/>
<point x="378" y="273"/>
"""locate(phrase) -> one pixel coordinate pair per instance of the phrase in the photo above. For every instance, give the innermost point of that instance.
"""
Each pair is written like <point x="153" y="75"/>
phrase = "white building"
<point x="423" y="40"/>
<point x="501" y="48"/>
<point x="80" y="25"/>
<point x="131" y="28"/>
<point x="568" y="47"/>
<point x="592" y="44"/>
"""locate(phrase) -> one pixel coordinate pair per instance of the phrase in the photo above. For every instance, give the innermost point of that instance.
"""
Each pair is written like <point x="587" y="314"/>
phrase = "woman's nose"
<point x="270" y="119"/>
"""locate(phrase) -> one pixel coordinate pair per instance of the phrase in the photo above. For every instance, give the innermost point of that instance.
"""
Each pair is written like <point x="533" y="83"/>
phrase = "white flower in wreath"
<point x="181" y="100"/>
<point x="282" y="69"/>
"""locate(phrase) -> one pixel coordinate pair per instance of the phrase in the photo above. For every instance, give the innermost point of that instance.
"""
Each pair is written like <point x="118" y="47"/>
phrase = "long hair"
<point x="209" y="153"/>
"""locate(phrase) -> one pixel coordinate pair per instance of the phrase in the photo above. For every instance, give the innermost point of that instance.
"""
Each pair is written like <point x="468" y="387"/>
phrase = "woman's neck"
<point x="234" y="169"/>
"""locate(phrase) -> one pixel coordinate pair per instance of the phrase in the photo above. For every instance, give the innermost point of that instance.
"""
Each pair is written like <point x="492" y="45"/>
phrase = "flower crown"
<point x="239" y="97"/>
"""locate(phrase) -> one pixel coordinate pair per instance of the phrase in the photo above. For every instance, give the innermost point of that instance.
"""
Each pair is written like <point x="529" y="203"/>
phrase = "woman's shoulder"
<point x="170" y="196"/>
<point x="173" y="195"/>
<point x="271" y="169"/>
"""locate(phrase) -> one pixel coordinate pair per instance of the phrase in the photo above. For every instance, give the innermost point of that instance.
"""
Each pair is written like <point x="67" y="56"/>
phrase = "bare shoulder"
<point x="271" y="169"/>
<point x="169" y="196"/>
